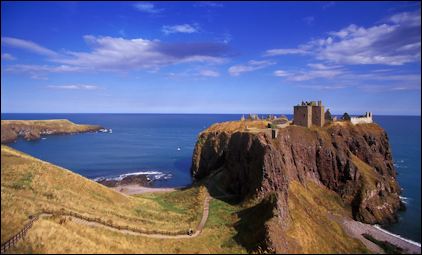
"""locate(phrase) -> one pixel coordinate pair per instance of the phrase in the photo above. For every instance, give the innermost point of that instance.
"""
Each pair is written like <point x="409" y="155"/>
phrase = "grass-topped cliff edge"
<point x="33" y="129"/>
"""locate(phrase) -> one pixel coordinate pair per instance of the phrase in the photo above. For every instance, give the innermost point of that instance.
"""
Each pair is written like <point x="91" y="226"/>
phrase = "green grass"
<point x="24" y="182"/>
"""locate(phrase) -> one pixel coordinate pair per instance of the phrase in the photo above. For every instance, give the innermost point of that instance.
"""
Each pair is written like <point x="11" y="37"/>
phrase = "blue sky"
<point x="210" y="57"/>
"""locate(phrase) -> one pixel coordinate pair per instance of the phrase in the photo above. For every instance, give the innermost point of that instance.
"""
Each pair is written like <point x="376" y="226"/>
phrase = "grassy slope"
<point x="28" y="185"/>
<point x="312" y="229"/>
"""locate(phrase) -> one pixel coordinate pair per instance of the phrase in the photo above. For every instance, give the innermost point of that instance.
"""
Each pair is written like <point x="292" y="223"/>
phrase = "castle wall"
<point x="318" y="115"/>
<point x="361" y="120"/>
<point x="302" y="115"/>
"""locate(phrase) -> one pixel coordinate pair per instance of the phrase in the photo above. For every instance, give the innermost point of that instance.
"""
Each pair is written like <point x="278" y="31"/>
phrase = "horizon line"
<point x="415" y="115"/>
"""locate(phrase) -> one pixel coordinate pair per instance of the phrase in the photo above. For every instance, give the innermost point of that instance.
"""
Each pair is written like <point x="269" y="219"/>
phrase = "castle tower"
<point x="308" y="114"/>
<point x="302" y="115"/>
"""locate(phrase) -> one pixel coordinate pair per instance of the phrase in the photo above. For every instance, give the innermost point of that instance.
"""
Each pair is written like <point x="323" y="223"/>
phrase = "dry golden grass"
<point x="233" y="126"/>
<point x="311" y="226"/>
<point x="49" y="236"/>
<point x="29" y="185"/>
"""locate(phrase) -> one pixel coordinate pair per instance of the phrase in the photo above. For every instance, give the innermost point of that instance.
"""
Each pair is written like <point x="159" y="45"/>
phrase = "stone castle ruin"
<point x="367" y="118"/>
<point x="309" y="113"/>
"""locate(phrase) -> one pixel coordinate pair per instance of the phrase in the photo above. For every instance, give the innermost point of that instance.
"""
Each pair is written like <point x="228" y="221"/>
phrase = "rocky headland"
<point x="139" y="179"/>
<point x="34" y="129"/>
<point x="348" y="164"/>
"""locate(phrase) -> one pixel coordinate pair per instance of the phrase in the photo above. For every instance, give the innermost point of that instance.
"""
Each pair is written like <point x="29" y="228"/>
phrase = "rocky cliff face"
<point x="33" y="129"/>
<point x="353" y="161"/>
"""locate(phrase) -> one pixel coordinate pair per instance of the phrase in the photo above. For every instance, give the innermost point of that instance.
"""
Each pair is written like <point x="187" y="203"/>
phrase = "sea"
<point x="161" y="146"/>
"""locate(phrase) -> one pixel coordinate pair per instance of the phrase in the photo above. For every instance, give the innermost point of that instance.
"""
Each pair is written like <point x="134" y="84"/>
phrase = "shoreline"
<point x="357" y="229"/>
<point x="135" y="189"/>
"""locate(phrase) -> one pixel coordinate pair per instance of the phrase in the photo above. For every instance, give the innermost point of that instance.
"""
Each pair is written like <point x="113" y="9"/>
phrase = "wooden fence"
<point x="12" y="241"/>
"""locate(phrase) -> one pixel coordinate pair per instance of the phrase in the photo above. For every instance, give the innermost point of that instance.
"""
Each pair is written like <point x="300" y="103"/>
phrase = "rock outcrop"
<point x="353" y="161"/>
<point x="33" y="129"/>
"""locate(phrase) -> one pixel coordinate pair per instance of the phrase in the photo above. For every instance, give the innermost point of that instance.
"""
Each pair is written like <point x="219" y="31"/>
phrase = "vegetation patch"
<point x="388" y="248"/>
<point x="24" y="182"/>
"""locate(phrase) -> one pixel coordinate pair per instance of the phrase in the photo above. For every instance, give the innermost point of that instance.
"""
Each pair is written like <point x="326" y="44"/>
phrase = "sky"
<point x="210" y="57"/>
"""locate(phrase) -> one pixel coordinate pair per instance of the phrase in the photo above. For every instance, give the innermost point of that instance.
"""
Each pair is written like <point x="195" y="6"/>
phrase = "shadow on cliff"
<point x="216" y="185"/>
<point x="252" y="225"/>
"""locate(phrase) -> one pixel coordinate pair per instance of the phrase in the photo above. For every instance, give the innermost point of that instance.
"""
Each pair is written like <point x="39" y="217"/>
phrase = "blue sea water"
<point x="162" y="144"/>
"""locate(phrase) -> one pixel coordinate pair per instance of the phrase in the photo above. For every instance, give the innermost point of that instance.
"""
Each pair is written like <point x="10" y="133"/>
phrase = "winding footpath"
<point x="12" y="241"/>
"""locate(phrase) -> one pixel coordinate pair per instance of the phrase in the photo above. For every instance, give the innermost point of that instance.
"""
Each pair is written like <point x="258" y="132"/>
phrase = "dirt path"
<point x="130" y="232"/>
<point x="356" y="229"/>
<point x="10" y="243"/>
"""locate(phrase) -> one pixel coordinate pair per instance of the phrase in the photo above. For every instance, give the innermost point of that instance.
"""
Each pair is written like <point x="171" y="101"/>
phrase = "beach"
<point x="134" y="189"/>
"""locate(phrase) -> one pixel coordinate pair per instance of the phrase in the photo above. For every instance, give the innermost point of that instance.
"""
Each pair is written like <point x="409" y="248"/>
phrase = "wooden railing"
<point x="12" y="241"/>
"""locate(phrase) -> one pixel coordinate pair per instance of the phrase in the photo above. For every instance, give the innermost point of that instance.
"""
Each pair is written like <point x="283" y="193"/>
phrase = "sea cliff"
<point x="353" y="161"/>
<point x="33" y="129"/>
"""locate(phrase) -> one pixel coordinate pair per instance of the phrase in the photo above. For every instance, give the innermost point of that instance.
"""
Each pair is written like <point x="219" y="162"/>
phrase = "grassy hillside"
<point x="312" y="228"/>
<point x="29" y="185"/>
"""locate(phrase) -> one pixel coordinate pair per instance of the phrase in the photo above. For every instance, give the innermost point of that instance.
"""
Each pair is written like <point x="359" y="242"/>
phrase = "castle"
<point x="308" y="114"/>
<point x="312" y="113"/>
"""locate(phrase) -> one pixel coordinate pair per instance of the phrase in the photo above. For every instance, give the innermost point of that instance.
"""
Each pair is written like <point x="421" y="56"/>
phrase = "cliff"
<point x="33" y="129"/>
<point x="353" y="161"/>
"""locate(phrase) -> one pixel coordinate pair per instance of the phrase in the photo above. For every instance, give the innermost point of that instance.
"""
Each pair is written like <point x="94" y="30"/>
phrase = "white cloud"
<point x="281" y="73"/>
<point x="123" y="55"/>
<point x="320" y="66"/>
<point x="395" y="42"/>
<point x="74" y="87"/>
<point x="33" y="69"/>
<point x="7" y="56"/>
<point x="184" y="28"/>
<point x="317" y="70"/>
<point x="147" y="7"/>
<point x="111" y="53"/>
<point x="252" y="65"/>
<point x="277" y="52"/>
<point x="209" y="73"/>
<point x="27" y="45"/>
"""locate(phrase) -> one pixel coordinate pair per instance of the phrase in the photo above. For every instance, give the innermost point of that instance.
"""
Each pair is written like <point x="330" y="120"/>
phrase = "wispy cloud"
<point x="278" y="52"/>
<point x="183" y="28"/>
<point x="122" y="55"/>
<point x="33" y="69"/>
<point x="252" y="65"/>
<point x="315" y="71"/>
<point x="209" y="73"/>
<point x="147" y="7"/>
<point x="7" y="56"/>
<point x="208" y="4"/>
<point x="27" y="45"/>
<point x="395" y="42"/>
<point x="74" y="87"/>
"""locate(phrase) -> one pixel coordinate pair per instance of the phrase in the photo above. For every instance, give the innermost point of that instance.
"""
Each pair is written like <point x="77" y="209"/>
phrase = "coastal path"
<point x="80" y="219"/>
